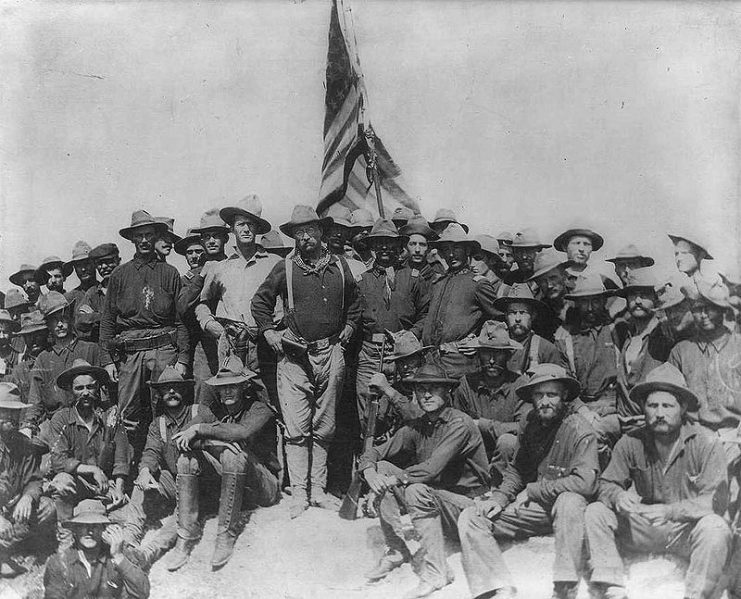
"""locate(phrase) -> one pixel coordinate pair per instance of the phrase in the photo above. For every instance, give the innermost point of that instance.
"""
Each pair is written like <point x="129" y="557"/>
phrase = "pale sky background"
<point x="624" y="115"/>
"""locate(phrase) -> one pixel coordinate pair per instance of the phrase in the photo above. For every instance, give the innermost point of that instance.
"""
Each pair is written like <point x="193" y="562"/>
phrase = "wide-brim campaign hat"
<point x="589" y="286"/>
<point x="141" y="218"/>
<point x="361" y="219"/>
<point x="715" y="293"/>
<point x="562" y="240"/>
<point x="104" y="250"/>
<point x="250" y="207"/>
<point x="488" y="244"/>
<point x="640" y="279"/>
<point x="444" y="217"/>
<point x="731" y="276"/>
<point x="170" y="232"/>
<point x="418" y="226"/>
<point x="169" y="377"/>
<point x="522" y="294"/>
<point x="10" y="397"/>
<point x="52" y="302"/>
<point x="49" y="263"/>
<point x="340" y="215"/>
<point x="546" y="261"/>
<point x="692" y="238"/>
<point x="548" y="373"/>
<point x="16" y="277"/>
<point x="191" y="238"/>
<point x="665" y="377"/>
<point x="455" y="233"/>
<point x="89" y="511"/>
<point x="274" y="242"/>
<point x="669" y="296"/>
<point x="386" y="229"/>
<point x="80" y="366"/>
<point x="505" y="238"/>
<point x="211" y="220"/>
<point x="232" y="372"/>
<point x="32" y="322"/>
<point x="304" y="215"/>
<point x="80" y="253"/>
<point x="631" y="252"/>
<point x="494" y="335"/>
<point x="401" y="216"/>
<point x="406" y="345"/>
<point x="431" y="374"/>
<point x="15" y="298"/>
<point x="528" y="238"/>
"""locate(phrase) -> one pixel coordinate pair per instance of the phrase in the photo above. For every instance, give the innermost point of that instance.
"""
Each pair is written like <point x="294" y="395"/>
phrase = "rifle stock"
<point x="349" y="507"/>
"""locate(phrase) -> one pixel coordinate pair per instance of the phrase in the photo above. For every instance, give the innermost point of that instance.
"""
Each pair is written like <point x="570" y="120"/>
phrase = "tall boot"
<point x="187" y="513"/>
<point x="230" y="504"/>
<point x="319" y="497"/>
<point x="64" y="534"/>
<point x="297" y="458"/>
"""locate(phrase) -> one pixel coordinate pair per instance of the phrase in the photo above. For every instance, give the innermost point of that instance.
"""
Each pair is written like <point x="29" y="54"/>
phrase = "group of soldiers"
<point x="509" y="388"/>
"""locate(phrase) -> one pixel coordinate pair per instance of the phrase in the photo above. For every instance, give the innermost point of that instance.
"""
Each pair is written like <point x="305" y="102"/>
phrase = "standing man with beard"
<point x="545" y="489"/>
<point x="679" y="495"/>
<point x="420" y="236"/>
<point x="25" y="278"/>
<point x="460" y="302"/>
<point x="140" y="326"/>
<point x="84" y="268"/>
<point x="644" y="344"/>
<point x="89" y="450"/>
<point x="525" y="247"/>
<point x="322" y="307"/>
<point x="393" y="298"/>
<point x="522" y="312"/>
<point x="96" y="565"/>
<point x="105" y="258"/>
<point x="550" y="277"/>
<point x="589" y="342"/>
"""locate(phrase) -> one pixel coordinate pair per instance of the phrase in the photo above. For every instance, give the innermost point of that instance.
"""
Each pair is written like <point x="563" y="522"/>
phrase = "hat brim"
<point x="12" y="404"/>
<point x="68" y="267"/>
<point x="184" y="383"/>
<point x="127" y="232"/>
<point x="34" y="329"/>
<point x="641" y="391"/>
<point x="394" y="358"/>
<point x="218" y="228"/>
<point x="287" y="228"/>
<point x="42" y="272"/>
<point x="676" y="238"/>
<point x="644" y="261"/>
<point x="222" y="381"/>
<point x="402" y="238"/>
<point x="447" y="222"/>
<point x="501" y="304"/>
<point x="716" y="303"/>
<point x="606" y="293"/>
<point x="478" y="346"/>
<point x="181" y="246"/>
<point x="529" y="246"/>
<point x="427" y="233"/>
<point x="64" y="380"/>
<point x="15" y="278"/>
<point x="435" y="380"/>
<point x="573" y="388"/>
<point x="562" y="240"/>
<point x="547" y="269"/>
<point x="625" y="291"/>
<point x="25" y="304"/>
<point x="474" y="245"/>
<point x="87" y="519"/>
<point x="229" y="213"/>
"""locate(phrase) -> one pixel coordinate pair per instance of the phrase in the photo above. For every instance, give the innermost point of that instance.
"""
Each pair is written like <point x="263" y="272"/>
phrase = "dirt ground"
<point x="320" y="556"/>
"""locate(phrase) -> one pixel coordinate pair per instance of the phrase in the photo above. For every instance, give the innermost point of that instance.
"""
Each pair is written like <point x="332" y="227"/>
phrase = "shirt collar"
<point x="718" y="342"/>
<point x="237" y="255"/>
<point x="151" y="261"/>
<point x="60" y="349"/>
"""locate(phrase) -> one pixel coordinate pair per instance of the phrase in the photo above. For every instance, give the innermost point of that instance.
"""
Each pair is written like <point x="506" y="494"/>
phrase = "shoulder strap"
<point x="534" y="349"/>
<point x="342" y="277"/>
<point x="194" y="410"/>
<point x="163" y="428"/>
<point x="289" y="281"/>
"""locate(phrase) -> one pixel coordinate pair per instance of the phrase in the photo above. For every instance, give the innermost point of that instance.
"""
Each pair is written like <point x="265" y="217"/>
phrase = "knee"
<point x="569" y="502"/>
<point x="63" y="485"/>
<point x="598" y="515"/>
<point x="470" y="521"/>
<point x="188" y="465"/>
<point x="712" y="530"/>
<point x="419" y="498"/>
<point x="507" y="444"/>
<point x="386" y="468"/>
<point x="232" y="461"/>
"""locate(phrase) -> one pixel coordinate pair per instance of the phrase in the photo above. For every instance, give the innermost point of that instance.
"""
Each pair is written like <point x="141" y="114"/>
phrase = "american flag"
<point x="345" y="176"/>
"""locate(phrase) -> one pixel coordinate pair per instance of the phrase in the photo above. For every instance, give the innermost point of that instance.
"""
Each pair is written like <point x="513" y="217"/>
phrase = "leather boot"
<point x="297" y="459"/>
<point x="319" y="497"/>
<point x="230" y="504"/>
<point x="187" y="513"/>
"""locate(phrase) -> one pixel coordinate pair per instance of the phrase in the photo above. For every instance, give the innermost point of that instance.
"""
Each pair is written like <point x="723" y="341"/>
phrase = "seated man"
<point x="678" y="471"/>
<point x="96" y="565"/>
<point x="154" y="489"/>
<point x="545" y="489"/>
<point x="239" y="445"/>
<point x="488" y="396"/>
<point x="22" y="508"/>
<point x="447" y="469"/>
<point x="89" y="449"/>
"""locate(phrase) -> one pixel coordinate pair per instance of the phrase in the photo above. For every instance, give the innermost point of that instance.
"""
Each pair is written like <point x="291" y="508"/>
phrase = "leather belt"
<point x="144" y="343"/>
<point x="320" y="344"/>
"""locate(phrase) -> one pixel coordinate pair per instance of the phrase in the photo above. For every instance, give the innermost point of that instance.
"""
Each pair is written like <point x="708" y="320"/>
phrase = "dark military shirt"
<point x="20" y="461"/>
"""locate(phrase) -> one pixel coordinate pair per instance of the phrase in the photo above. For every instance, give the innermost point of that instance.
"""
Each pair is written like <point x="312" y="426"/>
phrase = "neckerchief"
<point x="315" y="269"/>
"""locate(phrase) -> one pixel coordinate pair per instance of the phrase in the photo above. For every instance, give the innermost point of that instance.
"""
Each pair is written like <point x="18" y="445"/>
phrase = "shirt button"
<point x="325" y="299"/>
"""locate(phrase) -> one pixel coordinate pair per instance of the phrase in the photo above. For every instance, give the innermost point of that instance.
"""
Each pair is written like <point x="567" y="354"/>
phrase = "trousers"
<point x="705" y="542"/>
<point x="434" y="513"/>
<point x="12" y="532"/>
<point x="482" y="558"/>
<point x="152" y="503"/>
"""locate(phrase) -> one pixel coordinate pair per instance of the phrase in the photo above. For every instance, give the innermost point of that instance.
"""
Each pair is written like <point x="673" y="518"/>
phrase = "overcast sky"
<point x="624" y="115"/>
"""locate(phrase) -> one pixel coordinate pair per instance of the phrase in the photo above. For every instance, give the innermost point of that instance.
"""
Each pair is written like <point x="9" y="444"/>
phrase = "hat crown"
<point x="49" y="260"/>
<point x="417" y="225"/>
<point x="692" y="237"/>
<point x="547" y="260"/>
<point x="402" y="213"/>
<point x="170" y="375"/>
<point x="15" y="298"/>
<point x="5" y="315"/>
<point x="303" y="214"/>
<point x="52" y="302"/>
<point x="627" y="252"/>
<point x="81" y="251"/>
<point x="429" y="372"/>
<point x="405" y="343"/>
<point x="212" y="219"/>
<point x="494" y="334"/>
<point x="384" y="228"/>
<point x="505" y="237"/>
<point x="547" y="371"/>
<point x="32" y="319"/>
<point x="520" y="291"/>
<point x="454" y="233"/>
<point x="528" y="237"/>
<point x="10" y="396"/>
<point x="139" y="218"/>
<point x="488" y="243"/>
<point x="167" y="221"/>
<point x="361" y="218"/>
<point x="715" y="292"/>
<point x="339" y="212"/>
<point x="642" y="277"/>
<point x="445" y="214"/>
<point x="667" y="373"/>
<point x="232" y="366"/>
<point x="273" y="239"/>
<point x="590" y="284"/>
<point x="103" y="250"/>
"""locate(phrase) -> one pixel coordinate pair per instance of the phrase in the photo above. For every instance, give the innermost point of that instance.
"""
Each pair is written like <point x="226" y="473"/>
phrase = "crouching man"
<point x="239" y="445"/>
<point x="679" y="474"/>
<point x="545" y="489"/>
<point x="96" y="565"/>
<point x="89" y="449"/>
<point x="22" y="508"/>
<point x="154" y="488"/>
<point x="448" y="468"/>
